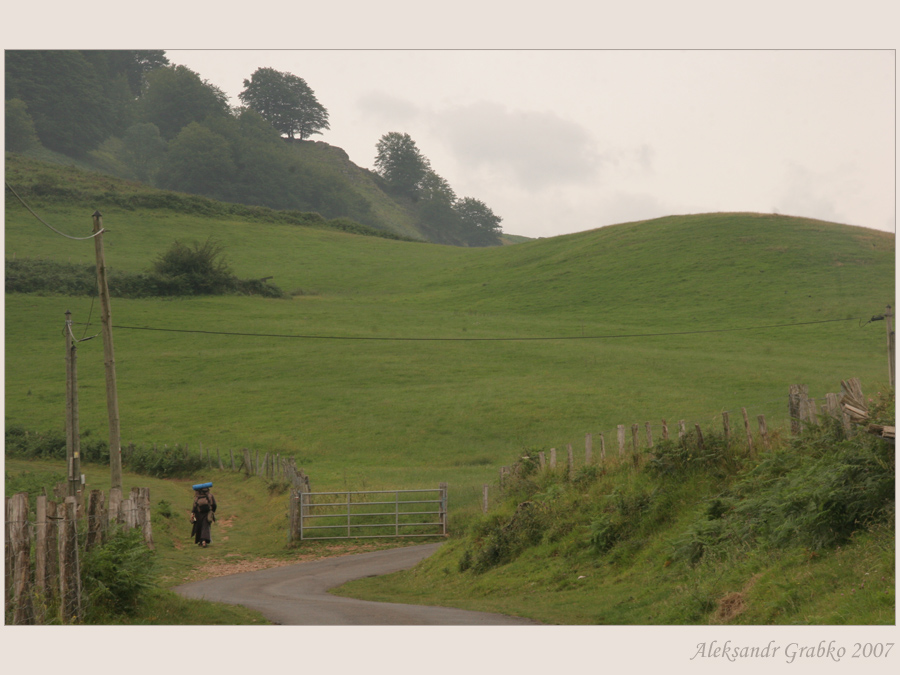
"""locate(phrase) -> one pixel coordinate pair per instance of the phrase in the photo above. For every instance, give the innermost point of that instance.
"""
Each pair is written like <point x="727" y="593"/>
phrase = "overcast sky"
<point x="564" y="141"/>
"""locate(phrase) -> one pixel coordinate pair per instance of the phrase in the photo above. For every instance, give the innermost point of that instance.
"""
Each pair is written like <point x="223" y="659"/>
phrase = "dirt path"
<point x="297" y="594"/>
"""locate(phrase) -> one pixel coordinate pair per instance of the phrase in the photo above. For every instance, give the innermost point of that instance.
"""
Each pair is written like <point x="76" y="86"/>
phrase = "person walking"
<point x="203" y="514"/>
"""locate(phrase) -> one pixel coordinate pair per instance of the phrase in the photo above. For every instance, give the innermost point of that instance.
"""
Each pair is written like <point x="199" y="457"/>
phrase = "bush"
<point x="116" y="575"/>
<point x="817" y="493"/>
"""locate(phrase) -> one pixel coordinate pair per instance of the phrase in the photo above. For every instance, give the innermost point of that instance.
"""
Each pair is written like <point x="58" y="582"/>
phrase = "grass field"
<point x="457" y="408"/>
<point x="403" y="365"/>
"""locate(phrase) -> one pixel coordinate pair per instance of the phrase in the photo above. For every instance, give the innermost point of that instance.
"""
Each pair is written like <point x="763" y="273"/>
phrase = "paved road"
<point x="297" y="594"/>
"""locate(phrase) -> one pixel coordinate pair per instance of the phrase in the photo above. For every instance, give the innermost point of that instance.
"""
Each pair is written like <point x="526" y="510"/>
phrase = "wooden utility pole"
<point x="890" y="343"/>
<point x="109" y="359"/>
<point x="73" y="440"/>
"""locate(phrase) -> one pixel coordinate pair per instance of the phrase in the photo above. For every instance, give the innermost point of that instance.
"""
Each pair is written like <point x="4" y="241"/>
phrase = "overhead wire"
<point x="476" y="339"/>
<point x="62" y="234"/>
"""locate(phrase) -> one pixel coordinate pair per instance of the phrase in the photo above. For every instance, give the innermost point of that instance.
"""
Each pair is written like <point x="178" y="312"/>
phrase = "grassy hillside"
<point x="377" y="409"/>
<point x="404" y="364"/>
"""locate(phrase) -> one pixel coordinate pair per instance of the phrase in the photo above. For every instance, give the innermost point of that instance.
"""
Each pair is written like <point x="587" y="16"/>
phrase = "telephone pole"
<point x="73" y="441"/>
<point x="112" y="399"/>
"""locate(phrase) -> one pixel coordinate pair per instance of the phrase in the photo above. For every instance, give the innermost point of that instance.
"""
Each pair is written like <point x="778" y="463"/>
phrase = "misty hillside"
<point x="132" y="115"/>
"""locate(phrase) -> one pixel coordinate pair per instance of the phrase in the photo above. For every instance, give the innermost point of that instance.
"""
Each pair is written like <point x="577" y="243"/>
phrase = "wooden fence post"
<point x="571" y="460"/>
<point x="588" y="449"/>
<point x="602" y="449"/>
<point x="248" y="465"/>
<point x="798" y="395"/>
<point x="649" y="435"/>
<point x="620" y="433"/>
<point x="115" y="506"/>
<point x="146" y="518"/>
<point x="484" y="498"/>
<point x="665" y="430"/>
<point x="552" y="458"/>
<point x="763" y="431"/>
<point x="726" y="427"/>
<point x="95" y="531"/>
<point x="699" y="436"/>
<point x="40" y="544"/>
<point x="832" y="407"/>
<point x="682" y="430"/>
<point x="747" y="431"/>
<point x="543" y="460"/>
<point x="69" y="566"/>
<point x="231" y="452"/>
<point x="20" y="544"/>
<point x="634" y="438"/>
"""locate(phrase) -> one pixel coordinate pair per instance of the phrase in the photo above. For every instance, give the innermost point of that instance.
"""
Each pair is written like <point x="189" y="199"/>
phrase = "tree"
<point x="20" y="133"/>
<point x="198" y="161"/>
<point x="481" y="226"/>
<point x="144" y="150"/>
<point x="65" y="98"/>
<point x="400" y="163"/>
<point x="176" y="96"/>
<point x="286" y="102"/>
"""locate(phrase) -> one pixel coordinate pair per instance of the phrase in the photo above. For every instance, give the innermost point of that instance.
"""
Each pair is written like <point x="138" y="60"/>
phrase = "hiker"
<point x="202" y="515"/>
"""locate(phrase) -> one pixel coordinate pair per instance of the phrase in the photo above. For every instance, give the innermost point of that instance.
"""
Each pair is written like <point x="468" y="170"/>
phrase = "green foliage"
<point x="63" y="93"/>
<point x="182" y="270"/>
<point x="400" y="162"/>
<point x="198" y="161"/>
<point x="686" y="455"/>
<point x="116" y="576"/>
<point x="199" y="269"/>
<point x="817" y="494"/>
<point x="51" y="444"/>
<point x="176" y="96"/>
<point x="162" y="462"/>
<point x="498" y="541"/>
<point x="20" y="131"/>
<point x="32" y="482"/>
<point x="286" y="102"/>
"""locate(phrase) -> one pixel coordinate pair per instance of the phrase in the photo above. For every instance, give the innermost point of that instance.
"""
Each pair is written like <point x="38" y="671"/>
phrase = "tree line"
<point x="133" y="114"/>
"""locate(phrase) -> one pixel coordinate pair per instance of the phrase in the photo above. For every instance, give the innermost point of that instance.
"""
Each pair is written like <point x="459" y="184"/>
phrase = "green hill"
<point x="400" y="363"/>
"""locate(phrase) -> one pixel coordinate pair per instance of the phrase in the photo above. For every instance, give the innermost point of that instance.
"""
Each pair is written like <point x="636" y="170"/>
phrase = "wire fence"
<point x="633" y="443"/>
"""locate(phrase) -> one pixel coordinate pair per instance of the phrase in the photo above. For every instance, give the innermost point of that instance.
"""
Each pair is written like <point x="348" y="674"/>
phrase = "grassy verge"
<point x="798" y="535"/>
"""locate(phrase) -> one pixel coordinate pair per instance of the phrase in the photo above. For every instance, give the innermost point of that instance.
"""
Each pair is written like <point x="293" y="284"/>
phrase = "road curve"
<point x="297" y="595"/>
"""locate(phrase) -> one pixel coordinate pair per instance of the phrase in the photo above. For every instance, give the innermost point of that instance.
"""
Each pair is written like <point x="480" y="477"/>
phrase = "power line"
<point x="63" y="234"/>
<point x="477" y="339"/>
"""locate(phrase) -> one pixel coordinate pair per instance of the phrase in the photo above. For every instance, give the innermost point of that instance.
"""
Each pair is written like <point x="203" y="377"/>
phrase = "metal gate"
<point x="372" y="514"/>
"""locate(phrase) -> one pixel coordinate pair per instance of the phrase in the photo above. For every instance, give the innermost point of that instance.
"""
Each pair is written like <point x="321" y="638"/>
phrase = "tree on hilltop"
<point x="482" y="226"/>
<point x="401" y="164"/>
<point x="286" y="102"/>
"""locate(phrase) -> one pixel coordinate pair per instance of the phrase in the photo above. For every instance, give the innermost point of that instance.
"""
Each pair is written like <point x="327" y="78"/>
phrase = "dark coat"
<point x="201" y="527"/>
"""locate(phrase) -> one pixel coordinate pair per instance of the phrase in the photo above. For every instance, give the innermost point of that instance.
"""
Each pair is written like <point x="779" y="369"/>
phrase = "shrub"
<point x="116" y="575"/>
<point x="816" y="494"/>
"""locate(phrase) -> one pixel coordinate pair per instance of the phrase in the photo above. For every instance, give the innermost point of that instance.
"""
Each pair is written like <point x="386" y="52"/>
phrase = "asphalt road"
<point x="297" y="594"/>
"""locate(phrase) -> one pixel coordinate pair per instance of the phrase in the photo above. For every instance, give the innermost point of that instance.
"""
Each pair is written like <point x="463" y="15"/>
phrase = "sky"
<point x="558" y="141"/>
